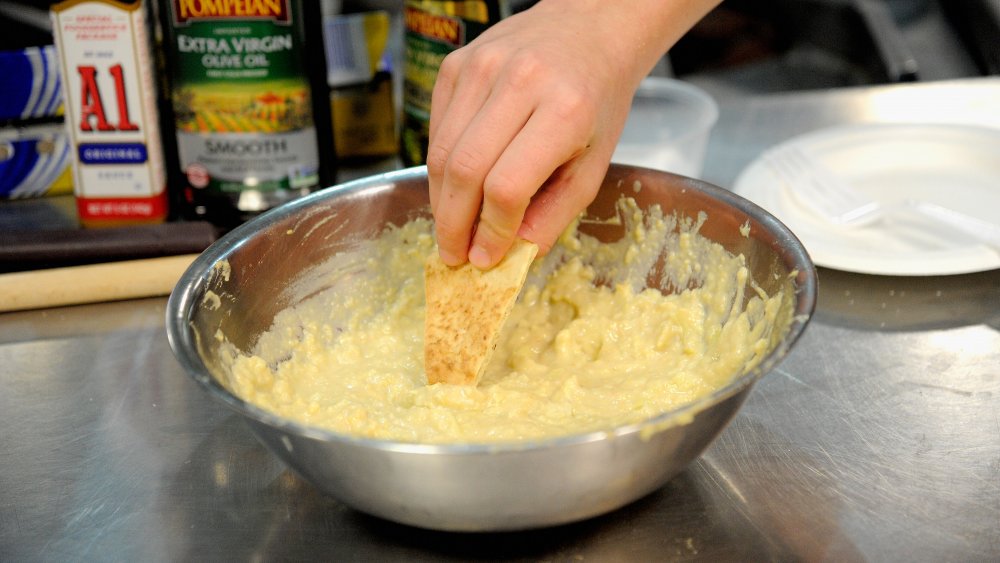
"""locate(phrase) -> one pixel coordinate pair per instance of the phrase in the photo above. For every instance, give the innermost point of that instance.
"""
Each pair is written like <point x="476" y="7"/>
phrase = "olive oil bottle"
<point x="434" y="28"/>
<point x="249" y="104"/>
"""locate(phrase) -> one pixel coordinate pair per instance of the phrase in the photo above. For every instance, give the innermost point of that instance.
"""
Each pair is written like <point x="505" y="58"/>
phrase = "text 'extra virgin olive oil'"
<point x="247" y="85"/>
<point x="435" y="28"/>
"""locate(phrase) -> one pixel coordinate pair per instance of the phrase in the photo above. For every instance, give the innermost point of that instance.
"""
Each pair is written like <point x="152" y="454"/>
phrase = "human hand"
<point x="524" y="119"/>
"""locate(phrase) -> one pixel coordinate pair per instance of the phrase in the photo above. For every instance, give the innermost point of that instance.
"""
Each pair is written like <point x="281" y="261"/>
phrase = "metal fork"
<point x="840" y="203"/>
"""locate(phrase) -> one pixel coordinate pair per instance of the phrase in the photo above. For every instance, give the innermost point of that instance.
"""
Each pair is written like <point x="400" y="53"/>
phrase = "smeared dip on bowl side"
<point x="587" y="347"/>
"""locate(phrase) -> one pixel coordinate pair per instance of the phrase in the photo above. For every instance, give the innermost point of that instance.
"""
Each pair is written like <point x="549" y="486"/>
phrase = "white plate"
<point x="954" y="166"/>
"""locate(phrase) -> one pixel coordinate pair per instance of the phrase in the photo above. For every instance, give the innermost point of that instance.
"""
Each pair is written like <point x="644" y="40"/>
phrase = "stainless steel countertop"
<point x="878" y="438"/>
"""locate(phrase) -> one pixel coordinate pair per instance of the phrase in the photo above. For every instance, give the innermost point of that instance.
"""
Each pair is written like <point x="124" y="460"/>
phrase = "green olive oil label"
<point x="241" y="96"/>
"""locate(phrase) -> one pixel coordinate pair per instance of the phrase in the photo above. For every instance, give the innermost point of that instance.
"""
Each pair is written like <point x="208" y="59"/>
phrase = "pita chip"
<point x="466" y="309"/>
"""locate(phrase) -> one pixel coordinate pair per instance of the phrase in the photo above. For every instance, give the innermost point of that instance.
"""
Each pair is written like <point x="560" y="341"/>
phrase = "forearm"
<point x="636" y="32"/>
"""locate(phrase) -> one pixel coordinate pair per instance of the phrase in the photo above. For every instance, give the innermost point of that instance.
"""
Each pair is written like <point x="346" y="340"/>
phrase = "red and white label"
<point x="110" y="105"/>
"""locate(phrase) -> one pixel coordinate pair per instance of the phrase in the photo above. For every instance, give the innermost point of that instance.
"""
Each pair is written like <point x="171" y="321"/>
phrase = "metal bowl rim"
<point x="181" y="341"/>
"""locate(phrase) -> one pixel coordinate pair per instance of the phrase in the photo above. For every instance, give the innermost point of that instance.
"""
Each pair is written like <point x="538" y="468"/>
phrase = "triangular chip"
<point x="466" y="308"/>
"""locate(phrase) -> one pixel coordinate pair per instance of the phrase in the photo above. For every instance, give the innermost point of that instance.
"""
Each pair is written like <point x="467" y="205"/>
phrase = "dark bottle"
<point x="435" y="28"/>
<point x="249" y="103"/>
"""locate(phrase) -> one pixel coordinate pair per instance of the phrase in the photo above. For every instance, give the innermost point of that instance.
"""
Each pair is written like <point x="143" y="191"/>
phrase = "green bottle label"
<point x="241" y="96"/>
<point x="434" y="29"/>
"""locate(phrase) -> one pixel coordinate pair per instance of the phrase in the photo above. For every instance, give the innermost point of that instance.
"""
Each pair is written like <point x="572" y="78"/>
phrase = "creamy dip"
<point x="586" y="348"/>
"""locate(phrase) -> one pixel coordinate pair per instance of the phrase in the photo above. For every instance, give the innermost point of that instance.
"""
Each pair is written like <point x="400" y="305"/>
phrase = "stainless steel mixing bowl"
<point x="467" y="487"/>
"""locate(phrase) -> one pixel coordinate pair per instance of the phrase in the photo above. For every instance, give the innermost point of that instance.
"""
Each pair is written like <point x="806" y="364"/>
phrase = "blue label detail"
<point x="113" y="153"/>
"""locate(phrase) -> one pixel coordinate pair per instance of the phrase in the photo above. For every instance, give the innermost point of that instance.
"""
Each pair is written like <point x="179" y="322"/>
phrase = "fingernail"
<point x="479" y="257"/>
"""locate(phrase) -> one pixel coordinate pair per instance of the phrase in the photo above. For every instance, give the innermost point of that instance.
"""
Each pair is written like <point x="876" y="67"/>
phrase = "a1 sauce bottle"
<point x="243" y="82"/>
<point x="111" y="116"/>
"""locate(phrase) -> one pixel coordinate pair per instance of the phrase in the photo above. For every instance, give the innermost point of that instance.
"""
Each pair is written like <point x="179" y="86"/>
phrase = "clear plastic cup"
<point x="668" y="127"/>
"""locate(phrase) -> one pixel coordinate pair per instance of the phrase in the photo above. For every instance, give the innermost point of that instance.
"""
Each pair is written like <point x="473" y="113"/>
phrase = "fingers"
<point x="563" y="197"/>
<point x="469" y="131"/>
<point x="553" y="135"/>
<point x="571" y="188"/>
<point x="502" y="122"/>
<point x="467" y="145"/>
